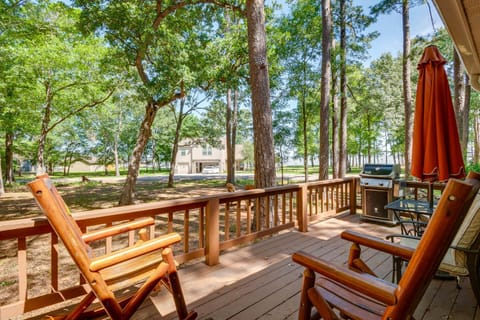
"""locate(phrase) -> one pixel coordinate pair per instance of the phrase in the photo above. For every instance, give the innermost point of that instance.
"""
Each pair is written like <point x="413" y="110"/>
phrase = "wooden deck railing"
<point x="30" y="252"/>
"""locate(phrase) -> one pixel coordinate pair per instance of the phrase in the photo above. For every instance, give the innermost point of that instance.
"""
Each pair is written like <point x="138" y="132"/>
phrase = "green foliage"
<point x="473" y="167"/>
<point x="81" y="52"/>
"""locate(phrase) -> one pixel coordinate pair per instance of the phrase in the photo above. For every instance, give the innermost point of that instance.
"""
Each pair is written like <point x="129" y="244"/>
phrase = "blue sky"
<point x="390" y="27"/>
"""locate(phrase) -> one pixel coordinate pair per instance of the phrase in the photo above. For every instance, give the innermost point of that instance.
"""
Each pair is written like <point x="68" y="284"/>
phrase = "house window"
<point x="207" y="151"/>
<point x="183" y="152"/>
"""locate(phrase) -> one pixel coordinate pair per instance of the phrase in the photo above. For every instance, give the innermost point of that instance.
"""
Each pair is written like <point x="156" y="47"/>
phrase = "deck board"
<point x="261" y="282"/>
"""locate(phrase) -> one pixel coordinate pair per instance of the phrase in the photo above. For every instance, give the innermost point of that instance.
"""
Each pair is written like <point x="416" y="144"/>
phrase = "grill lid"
<point x="391" y="171"/>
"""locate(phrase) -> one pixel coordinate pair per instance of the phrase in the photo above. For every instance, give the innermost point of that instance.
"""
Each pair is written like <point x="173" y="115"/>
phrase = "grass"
<point x="18" y="203"/>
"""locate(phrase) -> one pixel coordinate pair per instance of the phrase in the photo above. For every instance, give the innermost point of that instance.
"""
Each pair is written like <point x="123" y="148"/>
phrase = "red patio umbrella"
<point x="436" y="153"/>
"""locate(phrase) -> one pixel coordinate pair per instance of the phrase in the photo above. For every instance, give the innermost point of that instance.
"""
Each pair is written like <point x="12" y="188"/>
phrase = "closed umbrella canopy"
<point x="436" y="153"/>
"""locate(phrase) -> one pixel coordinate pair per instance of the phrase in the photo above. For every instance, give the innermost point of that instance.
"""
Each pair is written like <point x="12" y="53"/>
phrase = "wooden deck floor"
<point x="261" y="282"/>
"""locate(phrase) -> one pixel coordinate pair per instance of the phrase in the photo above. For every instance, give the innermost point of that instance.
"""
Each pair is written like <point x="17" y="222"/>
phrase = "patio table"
<point x="411" y="211"/>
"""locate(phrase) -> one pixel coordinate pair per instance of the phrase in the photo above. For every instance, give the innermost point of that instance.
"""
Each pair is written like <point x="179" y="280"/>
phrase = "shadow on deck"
<point x="261" y="282"/>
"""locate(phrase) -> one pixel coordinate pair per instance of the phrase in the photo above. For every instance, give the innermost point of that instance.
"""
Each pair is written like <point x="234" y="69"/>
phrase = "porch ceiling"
<point x="462" y="20"/>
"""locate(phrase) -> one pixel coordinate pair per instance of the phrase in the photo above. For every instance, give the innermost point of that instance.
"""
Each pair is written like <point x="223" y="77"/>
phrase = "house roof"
<point x="462" y="20"/>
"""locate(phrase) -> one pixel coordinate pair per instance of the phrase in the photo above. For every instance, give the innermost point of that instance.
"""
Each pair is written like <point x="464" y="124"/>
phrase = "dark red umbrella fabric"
<point x="436" y="153"/>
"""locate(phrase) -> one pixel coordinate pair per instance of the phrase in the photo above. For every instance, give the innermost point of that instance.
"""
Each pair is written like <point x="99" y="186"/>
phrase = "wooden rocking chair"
<point x="149" y="262"/>
<point x="356" y="293"/>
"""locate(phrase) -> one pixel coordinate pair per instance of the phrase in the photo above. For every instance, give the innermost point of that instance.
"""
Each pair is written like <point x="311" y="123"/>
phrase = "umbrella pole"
<point x="430" y="194"/>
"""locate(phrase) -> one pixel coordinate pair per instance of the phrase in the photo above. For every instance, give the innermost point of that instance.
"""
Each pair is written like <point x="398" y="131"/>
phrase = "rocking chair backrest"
<point x="451" y="210"/>
<point x="59" y="216"/>
<point x="141" y="267"/>
<point x="67" y="229"/>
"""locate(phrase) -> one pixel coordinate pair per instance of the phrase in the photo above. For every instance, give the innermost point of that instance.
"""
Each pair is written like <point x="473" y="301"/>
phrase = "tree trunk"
<point x="234" y="132"/>
<point x="128" y="192"/>
<point x="476" y="138"/>
<point x="335" y="126"/>
<point x="9" y="174"/>
<point x="305" y="131"/>
<point x="325" y="89"/>
<point x="466" y="115"/>
<point x="260" y="87"/>
<point x="369" y="144"/>
<point x="264" y="152"/>
<point x="342" y="161"/>
<point x="460" y="104"/>
<point x="2" y="189"/>
<point x="44" y="130"/>
<point x="228" y="136"/>
<point x="407" y="86"/>
<point x="173" y="160"/>
<point x="115" y="155"/>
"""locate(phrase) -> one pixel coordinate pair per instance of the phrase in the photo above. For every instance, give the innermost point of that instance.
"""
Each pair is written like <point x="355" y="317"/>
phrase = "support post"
<point x="212" y="233"/>
<point x="353" y="196"/>
<point x="302" y="216"/>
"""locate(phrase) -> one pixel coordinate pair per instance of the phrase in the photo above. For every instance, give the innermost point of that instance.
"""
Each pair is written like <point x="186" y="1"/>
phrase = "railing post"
<point x="353" y="196"/>
<point x="212" y="233"/>
<point x="302" y="203"/>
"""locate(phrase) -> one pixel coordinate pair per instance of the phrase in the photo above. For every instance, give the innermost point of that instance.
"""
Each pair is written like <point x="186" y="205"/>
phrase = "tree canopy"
<point x="103" y="82"/>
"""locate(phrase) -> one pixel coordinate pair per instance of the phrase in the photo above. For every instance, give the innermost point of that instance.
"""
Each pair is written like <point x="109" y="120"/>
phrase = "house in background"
<point x="194" y="157"/>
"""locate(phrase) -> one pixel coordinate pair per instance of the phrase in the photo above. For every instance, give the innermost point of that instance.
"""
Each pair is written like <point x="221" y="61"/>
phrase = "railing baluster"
<point x="330" y="192"/>
<point x="249" y="216"/>
<point x="310" y="202"/>
<point x="239" y="218"/>
<point x="290" y="206"/>
<point x="227" y="221"/>
<point x="186" y="231"/>
<point x="22" y="268"/>
<point x="275" y="205"/>
<point x="54" y="261"/>
<point x="269" y="213"/>
<point x="322" y="197"/>
<point x="257" y="214"/>
<point x="170" y="222"/>
<point x="201" y="228"/>
<point x="337" y="197"/>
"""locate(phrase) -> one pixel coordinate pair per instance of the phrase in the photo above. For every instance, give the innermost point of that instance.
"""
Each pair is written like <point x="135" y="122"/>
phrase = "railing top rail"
<point x="39" y="225"/>
<point x="331" y="181"/>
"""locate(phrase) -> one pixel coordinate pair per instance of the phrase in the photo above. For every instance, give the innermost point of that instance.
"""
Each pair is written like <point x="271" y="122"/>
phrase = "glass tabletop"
<point x="411" y="205"/>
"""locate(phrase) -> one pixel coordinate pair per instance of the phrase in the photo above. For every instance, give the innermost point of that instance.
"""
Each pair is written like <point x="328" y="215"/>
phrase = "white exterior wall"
<point x="192" y="158"/>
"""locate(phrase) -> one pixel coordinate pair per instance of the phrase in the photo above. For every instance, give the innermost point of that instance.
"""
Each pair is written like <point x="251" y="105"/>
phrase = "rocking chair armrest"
<point x="378" y="244"/>
<point x="117" y="229"/>
<point x="125" y="254"/>
<point x="364" y="283"/>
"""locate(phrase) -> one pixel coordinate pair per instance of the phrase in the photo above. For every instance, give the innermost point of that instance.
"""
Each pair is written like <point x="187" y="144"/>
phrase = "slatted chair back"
<point x="463" y="255"/>
<point x="441" y="230"/>
<point x="149" y="262"/>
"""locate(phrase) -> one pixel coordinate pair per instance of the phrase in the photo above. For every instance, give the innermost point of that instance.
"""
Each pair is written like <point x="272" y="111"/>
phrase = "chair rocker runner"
<point x="149" y="262"/>
<point x="356" y="293"/>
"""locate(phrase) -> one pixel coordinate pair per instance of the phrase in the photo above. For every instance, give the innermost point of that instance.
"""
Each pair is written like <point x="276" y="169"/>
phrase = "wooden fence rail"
<point x="30" y="252"/>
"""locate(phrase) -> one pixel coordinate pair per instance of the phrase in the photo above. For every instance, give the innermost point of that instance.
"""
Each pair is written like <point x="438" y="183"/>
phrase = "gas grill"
<point x="376" y="182"/>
